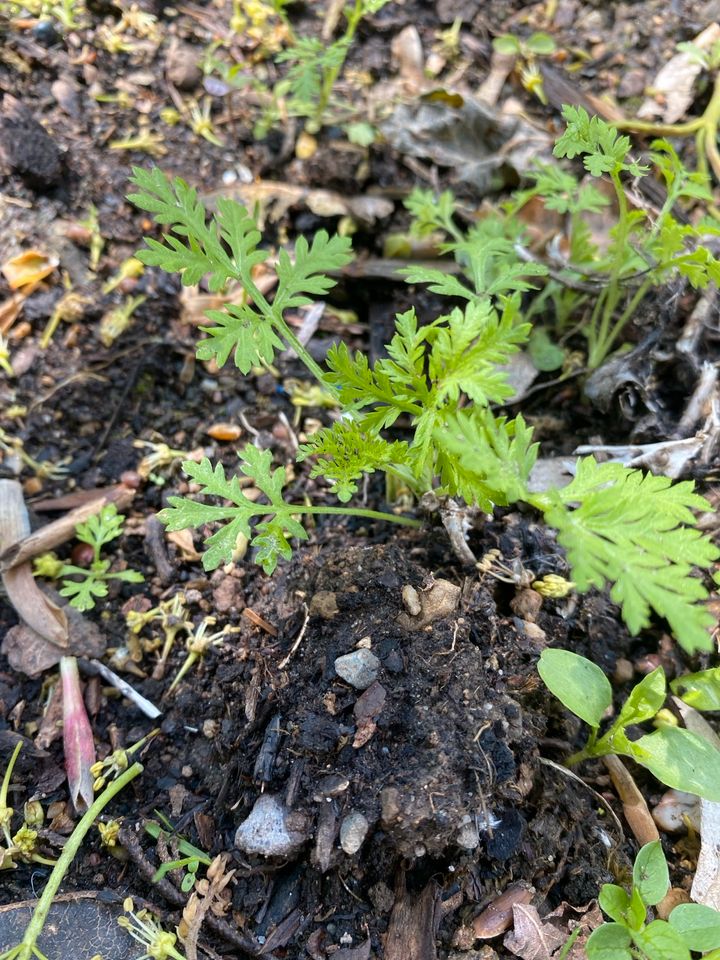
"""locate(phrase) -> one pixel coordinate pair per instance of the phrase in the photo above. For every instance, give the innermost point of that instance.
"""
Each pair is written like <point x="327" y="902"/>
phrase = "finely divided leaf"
<point x="468" y="350"/>
<point x="494" y="457"/>
<point x="270" y="536"/>
<point x="307" y="273"/>
<point x="242" y="331"/>
<point x="346" y="453"/>
<point x="634" y="531"/>
<point x="177" y="205"/>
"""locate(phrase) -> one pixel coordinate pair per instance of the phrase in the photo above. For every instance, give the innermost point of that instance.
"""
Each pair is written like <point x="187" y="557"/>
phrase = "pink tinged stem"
<point x="77" y="735"/>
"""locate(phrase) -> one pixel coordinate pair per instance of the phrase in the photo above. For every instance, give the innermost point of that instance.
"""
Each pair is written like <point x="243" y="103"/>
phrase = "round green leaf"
<point x="545" y="355"/>
<point x="507" y="44"/>
<point x="614" y="901"/>
<point x="541" y="44"/>
<point x="644" y="700"/>
<point x="659" y="941"/>
<point x="698" y="926"/>
<point x="576" y="682"/>
<point x="609" y="942"/>
<point x="680" y="759"/>
<point x="700" y="690"/>
<point x="650" y="873"/>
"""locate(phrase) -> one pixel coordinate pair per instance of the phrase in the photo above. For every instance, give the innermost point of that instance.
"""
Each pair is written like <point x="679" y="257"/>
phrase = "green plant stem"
<point x="274" y="314"/>
<point x="705" y="128"/>
<point x="602" y="338"/>
<point x="330" y="76"/>
<point x="354" y="512"/>
<point x="28" y="947"/>
<point x="4" y="792"/>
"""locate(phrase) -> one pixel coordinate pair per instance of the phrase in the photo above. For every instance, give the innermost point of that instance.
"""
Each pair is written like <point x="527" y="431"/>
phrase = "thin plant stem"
<point x="356" y="512"/>
<point x="4" y="792"/>
<point x="330" y="76"/>
<point x="28" y="947"/>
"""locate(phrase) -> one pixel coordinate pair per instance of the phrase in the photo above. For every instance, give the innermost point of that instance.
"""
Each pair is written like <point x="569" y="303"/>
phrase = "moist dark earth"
<point x="404" y="803"/>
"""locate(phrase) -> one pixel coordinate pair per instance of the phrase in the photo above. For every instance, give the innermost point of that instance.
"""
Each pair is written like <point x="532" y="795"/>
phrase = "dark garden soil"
<point x="395" y="811"/>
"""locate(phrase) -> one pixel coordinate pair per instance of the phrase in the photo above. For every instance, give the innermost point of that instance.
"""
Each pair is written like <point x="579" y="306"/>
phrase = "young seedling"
<point x="92" y="584"/>
<point x="527" y="52"/>
<point x="633" y="531"/>
<point x="677" y="757"/>
<point x="28" y="948"/>
<point x="315" y="67"/>
<point x="689" y="927"/>
<point x="191" y="860"/>
<point x="704" y="127"/>
<point x="159" y="944"/>
<point x="643" y="253"/>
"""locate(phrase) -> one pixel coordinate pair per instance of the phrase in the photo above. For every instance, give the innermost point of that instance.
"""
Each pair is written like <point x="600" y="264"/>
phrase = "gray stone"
<point x="271" y="829"/>
<point x="353" y="831"/>
<point x="359" y="668"/>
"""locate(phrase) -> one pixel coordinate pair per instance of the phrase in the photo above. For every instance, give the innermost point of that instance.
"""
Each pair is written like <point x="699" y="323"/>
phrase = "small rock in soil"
<point x="271" y="829"/>
<point x="437" y="602"/>
<point x="26" y="147"/>
<point x="370" y="703"/>
<point x="353" y="831"/>
<point x="228" y="594"/>
<point x="181" y="66"/>
<point x="468" y="837"/>
<point x="359" y="668"/>
<point x="324" y="604"/>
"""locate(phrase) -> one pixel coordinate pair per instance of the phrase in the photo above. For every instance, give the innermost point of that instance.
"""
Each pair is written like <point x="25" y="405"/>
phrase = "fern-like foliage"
<point x="345" y="453"/>
<point x="636" y="532"/>
<point x="485" y="459"/>
<point x="270" y="536"/>
<point x="622" y="528"/>
<point x="224" y="248"/>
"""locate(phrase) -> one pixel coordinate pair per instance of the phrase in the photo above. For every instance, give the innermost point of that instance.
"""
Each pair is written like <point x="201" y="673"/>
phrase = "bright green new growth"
<point x="677" y="757"/>
<point x="690" y="926"/>
<point x="619" y="526"/>
<point x="93" y="583"/>
<point x="643" y="251"/>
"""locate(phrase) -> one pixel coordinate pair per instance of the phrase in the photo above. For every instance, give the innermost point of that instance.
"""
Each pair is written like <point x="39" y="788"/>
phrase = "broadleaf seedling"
<point x="677" y="757"/>
<point x="628" y="936"/>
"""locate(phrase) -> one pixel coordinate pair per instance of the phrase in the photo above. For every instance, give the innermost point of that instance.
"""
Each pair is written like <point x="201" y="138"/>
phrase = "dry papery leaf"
<point x="673" y="86"/>
<point x="38" y="611"/>
<point x="27" y="268"/>
<point x="541" y="938"/>
<point x="706" y="882"/>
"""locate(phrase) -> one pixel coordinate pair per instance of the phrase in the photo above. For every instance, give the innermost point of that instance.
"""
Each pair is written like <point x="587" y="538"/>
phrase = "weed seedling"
<point x="677" y="757"/>
<point x="28" y="948"/>
<point x="191" y="860"/>
<point x="642" y="253"/>
<point x="619" y="526"/>
<point x="527" y="53"/>
<point x="92" y="582"/>
<point x="689" y="927"/>
<point x="22" y="846"/>
<point x="315" y="67"/>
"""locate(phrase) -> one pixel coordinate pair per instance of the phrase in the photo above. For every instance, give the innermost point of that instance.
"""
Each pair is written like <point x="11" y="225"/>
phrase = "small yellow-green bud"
<point x="554" y="586"/>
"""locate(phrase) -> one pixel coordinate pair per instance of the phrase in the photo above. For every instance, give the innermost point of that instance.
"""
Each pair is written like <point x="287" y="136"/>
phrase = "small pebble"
<point x="359" y="668"/>
<point x="268" y="830"/>
<point x="353" y="831"/>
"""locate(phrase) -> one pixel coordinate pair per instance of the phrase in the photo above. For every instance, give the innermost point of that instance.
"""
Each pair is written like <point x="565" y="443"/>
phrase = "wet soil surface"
<point x="370" y="745"/>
